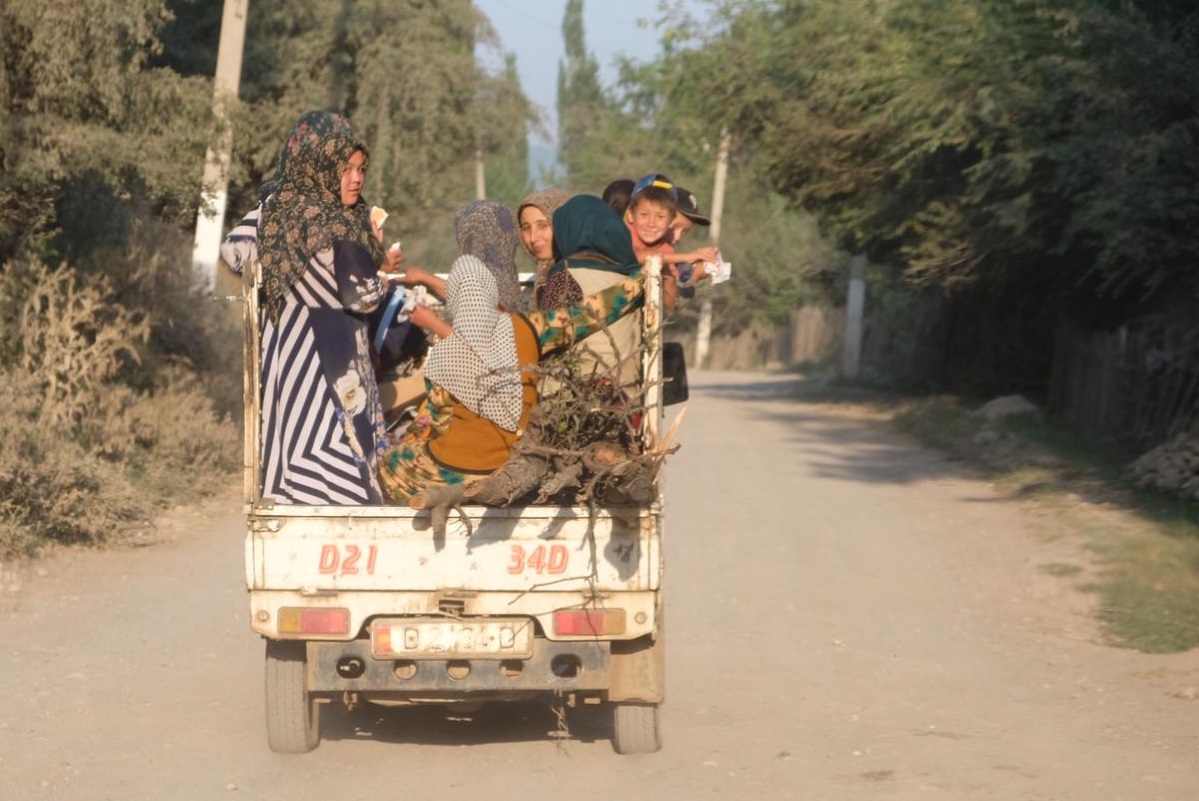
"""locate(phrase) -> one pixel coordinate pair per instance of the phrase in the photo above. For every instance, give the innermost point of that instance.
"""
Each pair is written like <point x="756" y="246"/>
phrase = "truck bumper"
<point x="336" y="667"/>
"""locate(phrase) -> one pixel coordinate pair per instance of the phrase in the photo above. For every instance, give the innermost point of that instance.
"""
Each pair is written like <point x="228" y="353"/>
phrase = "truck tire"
<point x="292" y="715"/>
<point x="635" y="729"/>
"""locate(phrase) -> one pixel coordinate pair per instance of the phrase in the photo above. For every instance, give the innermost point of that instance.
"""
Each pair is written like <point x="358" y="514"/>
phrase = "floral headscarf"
<point x="478" y="363"/>
<point x="305" y="215"/>
<point x="487" y="231"/>
<point x="321" y="123"/>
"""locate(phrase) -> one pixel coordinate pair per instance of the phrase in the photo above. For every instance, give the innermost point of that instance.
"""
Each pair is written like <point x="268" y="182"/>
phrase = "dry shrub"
<point x="51" y="489"/>
<point x="173" y="440"/>
<point x="73" y="341"/>
<point x="86" y="456"/>
<point x="188" y="326"/>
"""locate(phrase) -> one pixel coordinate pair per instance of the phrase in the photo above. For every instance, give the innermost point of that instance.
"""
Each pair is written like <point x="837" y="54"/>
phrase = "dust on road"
<point x="850" y="617"/>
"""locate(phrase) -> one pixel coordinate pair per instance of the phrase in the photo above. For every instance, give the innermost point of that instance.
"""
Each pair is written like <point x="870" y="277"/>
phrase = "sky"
<point x="532" y="31"/>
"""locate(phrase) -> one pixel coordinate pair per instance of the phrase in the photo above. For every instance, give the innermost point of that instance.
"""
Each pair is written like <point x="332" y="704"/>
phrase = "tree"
<point x="504" y="115"/>
<point x="972" y="141"/>
<point x="88" y="117"/>
<point x="581" y="101"/>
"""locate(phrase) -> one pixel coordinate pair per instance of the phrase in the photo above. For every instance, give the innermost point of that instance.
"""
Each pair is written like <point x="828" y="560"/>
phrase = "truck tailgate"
<point x="330" y="549"/>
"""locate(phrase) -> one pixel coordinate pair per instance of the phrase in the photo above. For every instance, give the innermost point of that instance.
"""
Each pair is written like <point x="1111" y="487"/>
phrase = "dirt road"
<point x="851" y="617"/>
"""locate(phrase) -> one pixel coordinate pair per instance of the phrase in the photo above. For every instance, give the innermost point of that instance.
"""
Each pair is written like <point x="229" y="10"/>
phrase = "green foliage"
<point x="81" y="103"/>
<point x="972" y="141"/>
<point x="780" y="261"/>
<point x="581" y="101"/>
<point x="652" y="122"/>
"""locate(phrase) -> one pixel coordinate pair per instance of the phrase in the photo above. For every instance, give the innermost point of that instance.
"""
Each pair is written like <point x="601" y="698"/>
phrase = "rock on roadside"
<point x="1006" y="407"/>
<point x="1172" y="466"/>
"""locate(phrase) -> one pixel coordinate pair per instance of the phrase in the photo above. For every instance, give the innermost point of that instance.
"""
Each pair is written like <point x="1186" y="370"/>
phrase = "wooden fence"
<point x="811" y="337"/>
<point x="1139" y="383"/>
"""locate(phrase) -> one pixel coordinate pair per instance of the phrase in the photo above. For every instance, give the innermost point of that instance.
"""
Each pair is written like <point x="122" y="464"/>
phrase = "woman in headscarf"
<point x="596" y="252"/>
<point x="486" y="230"/>
<point x="240" y="246"/>
<point x="535" y="215"/>
<point x="322" y="424"/>
<point x="481" y="380"/>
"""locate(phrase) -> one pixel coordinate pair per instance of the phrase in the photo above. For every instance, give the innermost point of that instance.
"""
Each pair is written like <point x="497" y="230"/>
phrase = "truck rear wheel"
<point x="635" y="728"/>
<point x="292" y="715"/>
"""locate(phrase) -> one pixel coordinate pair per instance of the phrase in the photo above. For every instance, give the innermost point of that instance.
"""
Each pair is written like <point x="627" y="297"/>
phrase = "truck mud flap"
<point x="565" y="666"/>
<point x="639" y="670"/>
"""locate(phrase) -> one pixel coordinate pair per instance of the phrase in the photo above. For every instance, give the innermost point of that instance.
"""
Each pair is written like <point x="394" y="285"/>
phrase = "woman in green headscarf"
<point x="597" y="252"/>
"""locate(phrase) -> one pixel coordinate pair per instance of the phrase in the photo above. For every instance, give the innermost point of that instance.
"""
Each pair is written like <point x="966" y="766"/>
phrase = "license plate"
<point x="438" y="638"/>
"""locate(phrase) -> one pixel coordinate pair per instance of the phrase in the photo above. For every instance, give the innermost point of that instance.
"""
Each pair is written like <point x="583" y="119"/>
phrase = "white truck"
<point x="364" y="604"/>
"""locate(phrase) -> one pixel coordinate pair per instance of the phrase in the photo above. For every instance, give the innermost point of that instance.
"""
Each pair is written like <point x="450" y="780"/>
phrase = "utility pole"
<point x="722" y="171"/>
<point x="855" y="310"/>
<point x="480" y="174"/>
<point x="210" y="225"/>
<point x="703" y="332"/>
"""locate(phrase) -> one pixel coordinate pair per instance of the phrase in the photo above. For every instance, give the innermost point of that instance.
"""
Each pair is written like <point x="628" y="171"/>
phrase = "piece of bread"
<point x="378" y="217"/>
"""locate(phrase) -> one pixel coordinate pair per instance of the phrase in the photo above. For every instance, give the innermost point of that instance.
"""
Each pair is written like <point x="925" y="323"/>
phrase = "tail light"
<point x="589" y="622"/>
<point x="313" y="620"/>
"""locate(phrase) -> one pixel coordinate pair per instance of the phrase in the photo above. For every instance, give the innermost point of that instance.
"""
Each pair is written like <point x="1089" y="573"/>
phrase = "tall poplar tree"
<point x="581" y="102"/>
<point x="504" y="114"/>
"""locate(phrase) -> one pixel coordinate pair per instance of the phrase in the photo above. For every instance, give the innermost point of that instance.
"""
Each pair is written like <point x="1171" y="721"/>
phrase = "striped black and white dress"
<point x="322" y="422"/>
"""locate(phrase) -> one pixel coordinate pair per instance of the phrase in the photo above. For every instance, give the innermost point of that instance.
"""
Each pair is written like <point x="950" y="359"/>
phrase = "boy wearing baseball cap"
<point x="655" y="207"/>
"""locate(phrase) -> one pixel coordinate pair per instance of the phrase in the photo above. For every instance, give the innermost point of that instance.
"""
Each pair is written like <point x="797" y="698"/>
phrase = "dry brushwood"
<point x="440" y="499"/>
<point x="587" y="427"/>
<point x="519" y="476"/>
<point x="581" y="447"/>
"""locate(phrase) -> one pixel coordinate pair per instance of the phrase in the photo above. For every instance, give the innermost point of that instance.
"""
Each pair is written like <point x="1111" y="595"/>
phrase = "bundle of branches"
<point x="581" y="447"/>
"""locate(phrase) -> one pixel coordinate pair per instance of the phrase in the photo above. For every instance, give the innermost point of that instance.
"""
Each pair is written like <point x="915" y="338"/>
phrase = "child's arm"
<point x="699" y="255"/>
